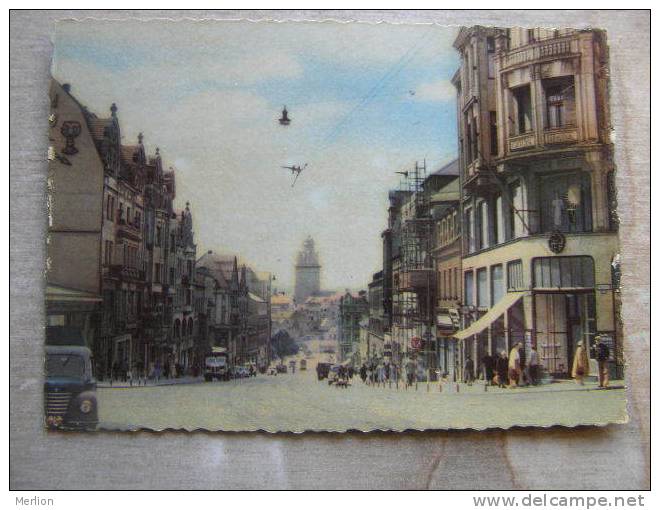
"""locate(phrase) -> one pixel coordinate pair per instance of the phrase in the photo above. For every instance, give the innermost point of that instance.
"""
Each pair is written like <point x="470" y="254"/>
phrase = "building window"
<point x="498" y="225"/>
<point x="482" y="222"/>
<point x="496" y="284"/>
<point x="157" y="270"/>
<point x="158" y="235"/>
<point x="522" y="99"/>
<point x="172" y="243"/>
<point x="456" y="289"/>
<point x="469" y="157"/>
<point x="560" y="102"/>
<point x="565" y="202"/>
<point x="531" y="36"/>
<point x="469" y="288"/>
<point x="563" y="272"/>
<point x="469" y="230"/>
<point x="490" y="51"/>
<point x="515" y="275"/>
<point x="516" y="212"/>
<point x="110" y="207"/>
<point x="482" y="288"/>
<point x="493" y="133"/>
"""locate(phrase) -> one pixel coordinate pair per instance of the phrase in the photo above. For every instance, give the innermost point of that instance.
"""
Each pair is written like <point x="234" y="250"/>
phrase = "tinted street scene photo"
<point x="330" y="226"/>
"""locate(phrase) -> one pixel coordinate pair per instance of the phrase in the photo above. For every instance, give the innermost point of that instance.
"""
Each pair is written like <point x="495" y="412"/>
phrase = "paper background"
<point x="614" y="457"/>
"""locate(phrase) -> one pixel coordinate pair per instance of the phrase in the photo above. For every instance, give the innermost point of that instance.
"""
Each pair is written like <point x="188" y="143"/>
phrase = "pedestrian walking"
<point x="488" y="365"/>
<point x="363" y="373"/>
<point x="515" y="365"/>
<point x="580" y="364"/>
<point x="468" y="371"/>
<point x="603" y="358"/>
<point x="502" y="369"/>
<point x="532" y="369"/>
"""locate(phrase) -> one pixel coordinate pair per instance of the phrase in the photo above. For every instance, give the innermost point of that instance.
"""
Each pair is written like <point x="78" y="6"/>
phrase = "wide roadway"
<point x="298" y="402"/>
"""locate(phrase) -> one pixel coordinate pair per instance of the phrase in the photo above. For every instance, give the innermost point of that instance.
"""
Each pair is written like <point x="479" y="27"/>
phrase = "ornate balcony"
<point x="542" y="50"/>
<point x="567" y="134"/>
<point x="128" y="231"/>
<point x="525" y="141"/>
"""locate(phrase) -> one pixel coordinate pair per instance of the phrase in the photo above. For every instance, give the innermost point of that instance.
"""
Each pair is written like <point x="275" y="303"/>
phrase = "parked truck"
<point x="70" y="387"/>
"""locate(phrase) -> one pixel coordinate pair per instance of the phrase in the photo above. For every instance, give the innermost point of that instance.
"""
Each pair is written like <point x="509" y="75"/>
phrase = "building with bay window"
<point x="537" y="193"/>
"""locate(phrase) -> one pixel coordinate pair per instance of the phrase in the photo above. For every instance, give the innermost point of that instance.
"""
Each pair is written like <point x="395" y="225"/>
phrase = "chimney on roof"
<point x="113" y="109"/>
<point x="66" y="87"/>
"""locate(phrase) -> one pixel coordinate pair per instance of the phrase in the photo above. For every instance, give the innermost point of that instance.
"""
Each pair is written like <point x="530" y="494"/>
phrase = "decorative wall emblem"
<point x="70" y="130"/>
<point x="557" y="242"/>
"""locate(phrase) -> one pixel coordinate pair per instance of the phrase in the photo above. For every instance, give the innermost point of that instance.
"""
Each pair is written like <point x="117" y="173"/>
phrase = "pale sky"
<point x="365" y="101"/>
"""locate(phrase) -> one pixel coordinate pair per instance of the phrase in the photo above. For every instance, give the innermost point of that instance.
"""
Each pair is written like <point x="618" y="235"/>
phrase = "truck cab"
<point x="70" y="387"/>
<point x="215" y="365"/>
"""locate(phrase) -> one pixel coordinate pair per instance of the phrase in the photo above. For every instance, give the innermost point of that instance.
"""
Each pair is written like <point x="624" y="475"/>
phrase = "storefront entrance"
<point x="562" y="320"/>
<point x="564" y="309"/>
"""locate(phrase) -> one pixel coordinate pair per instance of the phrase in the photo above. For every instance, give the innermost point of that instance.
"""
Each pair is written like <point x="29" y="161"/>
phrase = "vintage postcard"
<point x="304" y="226"/>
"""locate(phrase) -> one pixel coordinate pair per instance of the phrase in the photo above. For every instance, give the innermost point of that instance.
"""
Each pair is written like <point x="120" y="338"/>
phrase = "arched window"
<point x="190" y="326"/>
<point x="177" y="329"/>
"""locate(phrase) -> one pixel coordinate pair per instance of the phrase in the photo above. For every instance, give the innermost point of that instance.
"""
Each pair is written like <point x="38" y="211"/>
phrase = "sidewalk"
<point x="151" y="383"/>
<point x="479" y="388"/>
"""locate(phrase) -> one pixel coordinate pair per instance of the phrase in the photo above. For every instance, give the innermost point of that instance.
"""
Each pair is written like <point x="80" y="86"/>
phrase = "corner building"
<point x="537" y="194"/>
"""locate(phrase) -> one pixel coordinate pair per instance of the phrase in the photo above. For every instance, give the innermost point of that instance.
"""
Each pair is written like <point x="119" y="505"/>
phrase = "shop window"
<point x="563" y="272"/>
<point x="565" y="202"/>
<point x="496" y="284"/>
<point x="515" y="275"/>
<point x="560" y="102"/>
<point x="522" y="99"/>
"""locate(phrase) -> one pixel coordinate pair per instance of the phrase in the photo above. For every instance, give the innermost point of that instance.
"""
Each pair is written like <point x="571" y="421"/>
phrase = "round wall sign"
<point x="557" y="242"/>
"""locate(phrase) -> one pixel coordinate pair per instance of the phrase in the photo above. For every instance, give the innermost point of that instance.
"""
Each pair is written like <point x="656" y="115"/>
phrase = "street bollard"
<point x="485" y="387"/>
<point x="458" y="388"/>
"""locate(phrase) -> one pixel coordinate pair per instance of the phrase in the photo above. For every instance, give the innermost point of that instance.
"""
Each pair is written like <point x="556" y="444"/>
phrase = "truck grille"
<point x="57" y="403"/>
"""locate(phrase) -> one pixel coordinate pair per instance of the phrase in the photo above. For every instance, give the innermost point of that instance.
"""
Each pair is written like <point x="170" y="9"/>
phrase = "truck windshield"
<point x="64" y="365"/>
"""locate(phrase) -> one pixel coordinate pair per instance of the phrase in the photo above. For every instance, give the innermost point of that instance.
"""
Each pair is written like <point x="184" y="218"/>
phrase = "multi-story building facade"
<point x="76" y="175"/>
<point x="353" y="309"/>
<point x="142" y="261"/>
<point x="539" y="233"/>
<point x="446" y="253"/>
<point x="376" y="342"/>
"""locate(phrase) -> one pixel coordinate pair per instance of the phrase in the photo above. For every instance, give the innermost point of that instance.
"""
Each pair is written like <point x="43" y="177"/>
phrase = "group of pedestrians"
<point x="521" y="368"/>
<point x="601" y="353"/>
<point x="505" y="370"/>
<point x="379" y="373"/>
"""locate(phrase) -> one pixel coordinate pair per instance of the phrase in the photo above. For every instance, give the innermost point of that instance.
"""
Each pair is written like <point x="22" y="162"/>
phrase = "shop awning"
<point x="491" y="316"/>
<point x="57" y="293"/>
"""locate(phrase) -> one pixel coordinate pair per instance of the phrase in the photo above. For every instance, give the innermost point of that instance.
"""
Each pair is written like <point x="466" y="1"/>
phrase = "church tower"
<point x="308" y="272"/>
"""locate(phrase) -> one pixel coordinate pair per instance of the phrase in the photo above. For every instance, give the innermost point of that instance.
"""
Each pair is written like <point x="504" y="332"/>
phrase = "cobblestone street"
<point x="298" y="402"/>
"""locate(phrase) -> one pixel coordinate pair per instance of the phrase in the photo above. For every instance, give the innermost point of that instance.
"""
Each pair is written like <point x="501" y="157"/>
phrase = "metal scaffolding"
<point x="414" y="283"/>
